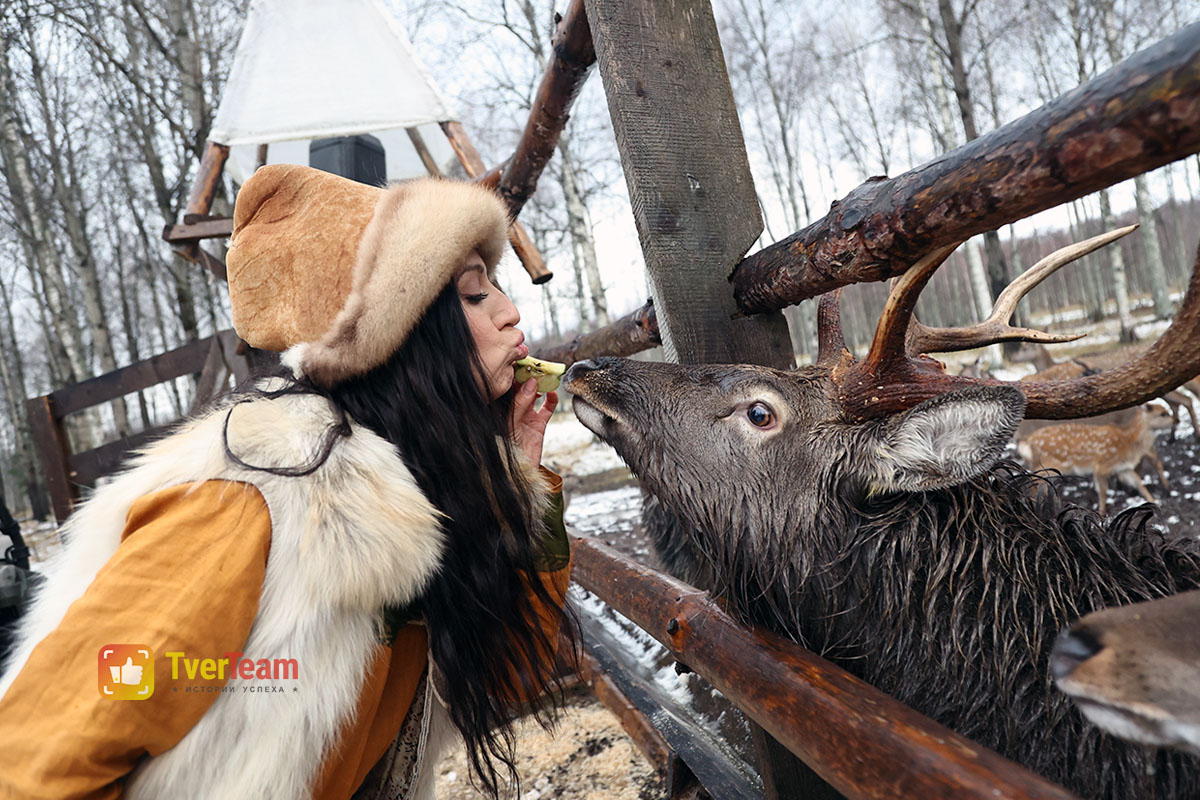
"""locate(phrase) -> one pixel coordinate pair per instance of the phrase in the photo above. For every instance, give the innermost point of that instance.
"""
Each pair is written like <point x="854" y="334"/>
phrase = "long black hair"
<point x="485" y="608"/>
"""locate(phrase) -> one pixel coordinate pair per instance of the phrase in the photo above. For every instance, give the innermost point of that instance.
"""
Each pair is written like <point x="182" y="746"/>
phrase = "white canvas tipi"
<point x="308" y="69"/>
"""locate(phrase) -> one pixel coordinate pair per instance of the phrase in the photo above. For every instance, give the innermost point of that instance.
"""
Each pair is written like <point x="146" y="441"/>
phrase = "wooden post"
<point x="51" y="440"/>
<point x="418" y="143"/>
<point x="204" y="187"/>
<point x="688" y="176"/>
<point x="518" y="237"/>
<point x="695" y="207"/>
<point x="566" y="72"/>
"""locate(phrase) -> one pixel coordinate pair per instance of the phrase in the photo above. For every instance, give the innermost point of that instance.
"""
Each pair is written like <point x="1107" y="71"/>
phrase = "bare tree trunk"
<point x="582" y="243"/>
<point x="1116" y="260"/>
<point x="948" y="138"/>
<point x="1153" y="253"/>
<point x="65" y="186"/>
<point x="12" y="375"/>
<point x="1180" y="256"/>
<point x="30" y="209"/>
<point x="1149" y="231"/>
<point x="952" y="26"/>
<point x="979" y="284"/>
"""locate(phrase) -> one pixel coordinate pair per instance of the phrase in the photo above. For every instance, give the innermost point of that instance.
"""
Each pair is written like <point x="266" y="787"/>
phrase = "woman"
<point x="307" y="589"/>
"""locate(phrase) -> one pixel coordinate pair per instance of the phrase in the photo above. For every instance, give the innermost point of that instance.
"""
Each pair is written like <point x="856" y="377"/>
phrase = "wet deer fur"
<point x="900" y="548"/>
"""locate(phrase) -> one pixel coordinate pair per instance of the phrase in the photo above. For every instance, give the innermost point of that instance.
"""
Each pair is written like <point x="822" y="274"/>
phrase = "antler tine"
<point x="890" y="333"/>
<point x="1172" y="360"/>
<point x="830" y="343"/>
<point x="995" y="328"/>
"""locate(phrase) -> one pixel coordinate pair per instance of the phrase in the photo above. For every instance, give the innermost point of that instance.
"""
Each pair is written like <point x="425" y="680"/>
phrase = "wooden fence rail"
<point x="862" y="742"/>
<point x="214" y="359"/>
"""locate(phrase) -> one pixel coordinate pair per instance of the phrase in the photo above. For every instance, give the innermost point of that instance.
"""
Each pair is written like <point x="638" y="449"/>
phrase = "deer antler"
<point x="923" y="339"/>
<point x="895" y="376"/>
<point x="831" y="346"/>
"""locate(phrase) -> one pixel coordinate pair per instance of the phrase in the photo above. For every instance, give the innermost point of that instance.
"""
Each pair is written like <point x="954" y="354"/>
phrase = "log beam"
<point x="518" y="237"/>
<point x="572" y="60"/>
<point x="809" y="705"/>
<point x="1141" y="114"/>
<point x="630" y="334"/>
<point x="192" y="232"/>
<point x="208" y="177"/>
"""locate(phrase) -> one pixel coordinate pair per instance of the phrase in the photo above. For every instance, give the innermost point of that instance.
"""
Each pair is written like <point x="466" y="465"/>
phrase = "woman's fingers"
<point x="524" y="398"/>
<point x="548" y="406"/>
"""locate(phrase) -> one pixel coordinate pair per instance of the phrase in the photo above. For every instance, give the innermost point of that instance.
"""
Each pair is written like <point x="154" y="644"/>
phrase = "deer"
<point x="863" y="509"/>
<point x="1117" y="448"/>
<point x="1050" y="370"/>
<point x="1135" y="670"/>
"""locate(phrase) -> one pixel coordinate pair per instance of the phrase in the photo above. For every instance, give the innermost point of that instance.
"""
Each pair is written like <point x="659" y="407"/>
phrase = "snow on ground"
<point x="586" y="757"/>
<point x="571" y="449"/>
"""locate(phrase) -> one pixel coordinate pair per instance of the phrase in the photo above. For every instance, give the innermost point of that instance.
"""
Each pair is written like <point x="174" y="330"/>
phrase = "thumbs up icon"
<point x="121" y="677"/>
<point x="131" y="675"/>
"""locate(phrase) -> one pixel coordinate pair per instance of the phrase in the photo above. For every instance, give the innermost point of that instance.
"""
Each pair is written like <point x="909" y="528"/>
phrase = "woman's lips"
<point x="522" y="352"/>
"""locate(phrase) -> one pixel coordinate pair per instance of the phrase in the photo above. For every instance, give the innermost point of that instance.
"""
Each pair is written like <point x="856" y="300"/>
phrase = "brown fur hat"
<point x="338" y="273"/>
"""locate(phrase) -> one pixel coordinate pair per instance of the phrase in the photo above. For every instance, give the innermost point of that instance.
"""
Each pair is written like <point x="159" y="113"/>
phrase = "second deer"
<point x="1135" y="670"/>
<point x="1117" y="448"/>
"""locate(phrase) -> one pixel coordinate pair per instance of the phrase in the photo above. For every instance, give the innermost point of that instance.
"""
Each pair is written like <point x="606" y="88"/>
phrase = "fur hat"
<point x="337" y="273"/>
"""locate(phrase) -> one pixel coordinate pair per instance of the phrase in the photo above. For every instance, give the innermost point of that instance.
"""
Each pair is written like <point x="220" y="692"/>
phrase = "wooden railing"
<point x="213" y="359"/>
<point x="863" y="743"/>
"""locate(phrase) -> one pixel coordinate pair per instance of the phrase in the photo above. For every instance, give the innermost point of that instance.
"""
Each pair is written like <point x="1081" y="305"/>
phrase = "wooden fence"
<point x="214" y="359"/>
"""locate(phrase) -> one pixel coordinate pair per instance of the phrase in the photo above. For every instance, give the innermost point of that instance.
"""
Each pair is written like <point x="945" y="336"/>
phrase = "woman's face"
<point x="493" y="319"/>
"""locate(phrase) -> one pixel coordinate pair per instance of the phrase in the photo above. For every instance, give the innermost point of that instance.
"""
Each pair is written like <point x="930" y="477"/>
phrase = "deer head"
<point x="1135" y="670"/>
<point x="892" y="421"/>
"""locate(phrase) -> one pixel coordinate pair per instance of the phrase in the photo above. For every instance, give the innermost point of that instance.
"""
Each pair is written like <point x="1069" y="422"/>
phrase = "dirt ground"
<point x="586" y="757"/>
<point x="1179" y="508"/>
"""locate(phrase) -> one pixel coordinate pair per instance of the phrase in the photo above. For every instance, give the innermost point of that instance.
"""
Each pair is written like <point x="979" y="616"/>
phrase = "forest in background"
<point x="106" y="105"/>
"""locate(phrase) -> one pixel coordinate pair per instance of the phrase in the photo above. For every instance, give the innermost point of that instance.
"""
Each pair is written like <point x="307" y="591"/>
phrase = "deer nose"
<point x="1072" y="648"/>
<point x="579" y="368"/>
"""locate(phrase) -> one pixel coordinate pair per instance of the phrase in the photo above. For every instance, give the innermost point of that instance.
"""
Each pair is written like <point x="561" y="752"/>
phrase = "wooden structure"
<point x="215" y="360"/>
<point x="515" y="179"/>
<point x="695" y="208"/>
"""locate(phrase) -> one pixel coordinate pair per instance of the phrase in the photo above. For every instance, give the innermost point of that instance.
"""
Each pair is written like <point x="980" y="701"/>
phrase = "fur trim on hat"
<point x="338" y="273"/>
<point x="420" y="235"/>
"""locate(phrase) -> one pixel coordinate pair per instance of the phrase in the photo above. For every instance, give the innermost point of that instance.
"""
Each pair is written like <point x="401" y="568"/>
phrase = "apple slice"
<point x="546" y="373"/>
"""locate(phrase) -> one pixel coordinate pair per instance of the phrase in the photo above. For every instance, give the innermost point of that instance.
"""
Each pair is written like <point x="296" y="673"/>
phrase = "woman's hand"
<point x="528" y="424"/>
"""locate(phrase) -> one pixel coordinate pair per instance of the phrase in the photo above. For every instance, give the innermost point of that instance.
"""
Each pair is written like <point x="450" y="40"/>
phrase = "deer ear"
<point x="946" y="440"/>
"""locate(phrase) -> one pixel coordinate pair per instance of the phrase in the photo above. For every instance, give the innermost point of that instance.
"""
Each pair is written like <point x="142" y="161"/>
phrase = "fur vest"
<point x="352" y="537"/>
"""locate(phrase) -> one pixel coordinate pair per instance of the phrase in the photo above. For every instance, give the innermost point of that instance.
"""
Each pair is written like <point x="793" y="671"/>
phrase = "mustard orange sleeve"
<point x="187" y="578"/>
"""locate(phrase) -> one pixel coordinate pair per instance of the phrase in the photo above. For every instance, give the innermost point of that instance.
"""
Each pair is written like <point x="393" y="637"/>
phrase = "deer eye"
<point x="760" y="415"/>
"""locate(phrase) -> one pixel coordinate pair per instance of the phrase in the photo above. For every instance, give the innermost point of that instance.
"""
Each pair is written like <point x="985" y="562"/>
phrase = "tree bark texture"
<point x="630" y="334"/>
<point x="1116" y="265"/>
<point x="1141" y="114"/>
<point x="583" y="244"/>
<point x="688" y="175"/>
<point x="572" y="60"/>
<point x="1152" y="251"/>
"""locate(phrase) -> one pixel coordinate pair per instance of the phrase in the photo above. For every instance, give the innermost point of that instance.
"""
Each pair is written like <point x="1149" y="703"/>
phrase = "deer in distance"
<point x="1050" y="370"/>
<point x="1116" y="448"/>
<point x="1135" y="670"/>
<point x="862" y="508"/>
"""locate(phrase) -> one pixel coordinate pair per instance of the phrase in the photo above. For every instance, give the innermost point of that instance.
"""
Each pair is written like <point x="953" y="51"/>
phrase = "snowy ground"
<point x="586" y="757"/>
